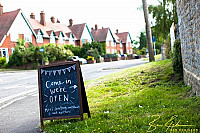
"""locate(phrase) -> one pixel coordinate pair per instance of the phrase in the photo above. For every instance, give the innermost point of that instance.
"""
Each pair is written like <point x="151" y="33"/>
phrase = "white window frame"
<point x="52" y="38"/>
<point x="7" y="54"/>
<point x="28" y="37"/>
<point x="121" y="51"/>
<point x="108" y="51"/>
<point x="113" y="51"/>
<point x="61" y="39"/>
<point x="112" y="43"/>
<point x="120" y="45"/>
<point x="39" y="38"/>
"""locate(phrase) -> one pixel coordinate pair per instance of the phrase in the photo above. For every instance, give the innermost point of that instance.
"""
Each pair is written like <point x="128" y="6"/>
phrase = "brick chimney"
<point x="117" y="31"/>
<point x="70" y="22"/>
<point x="52" y="19"/>
<point x="58" y="21"/>
<point x="32" y="16"/>
<point x="42" y="18"/>
<point x="1" y="9"/>
<point x="96" y="27"/>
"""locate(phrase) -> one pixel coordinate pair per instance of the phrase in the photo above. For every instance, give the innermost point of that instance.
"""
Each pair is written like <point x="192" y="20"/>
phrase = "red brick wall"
<point x="111" y="47"/>
<point x="119" y="48"/>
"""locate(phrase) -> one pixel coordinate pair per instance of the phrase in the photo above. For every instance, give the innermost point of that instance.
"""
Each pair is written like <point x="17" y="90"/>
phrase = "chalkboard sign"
<point x="60" y="91"/>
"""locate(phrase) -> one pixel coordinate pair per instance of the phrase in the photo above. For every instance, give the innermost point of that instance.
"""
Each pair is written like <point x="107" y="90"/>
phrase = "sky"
<point x="115" y="14"/>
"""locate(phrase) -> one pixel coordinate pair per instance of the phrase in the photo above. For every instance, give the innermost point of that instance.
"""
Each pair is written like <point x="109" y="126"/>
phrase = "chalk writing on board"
<point x="60" y="91"/>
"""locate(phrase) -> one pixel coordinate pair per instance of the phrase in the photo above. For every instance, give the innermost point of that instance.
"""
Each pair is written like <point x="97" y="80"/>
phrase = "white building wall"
<point x="86" y="35"/>
<point x="19" y="27"/>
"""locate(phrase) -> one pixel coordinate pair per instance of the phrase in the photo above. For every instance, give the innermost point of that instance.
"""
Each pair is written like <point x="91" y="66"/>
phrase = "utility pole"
<point x="148" y="31"/>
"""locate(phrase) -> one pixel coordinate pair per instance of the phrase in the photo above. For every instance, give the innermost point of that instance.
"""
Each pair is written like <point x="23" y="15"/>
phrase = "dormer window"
<point x="52" y="38"/>
<point x="39" y="38"/>
<point x="61" y="39"/>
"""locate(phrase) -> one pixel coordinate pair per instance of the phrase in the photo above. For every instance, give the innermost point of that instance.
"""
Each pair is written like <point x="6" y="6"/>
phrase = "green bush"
<point x="141" y="52"/>
<point x="32" y="55"/>
<point x="3" y="62"/>
<point x="75" y="50"/>
<point x="177" y="58"/>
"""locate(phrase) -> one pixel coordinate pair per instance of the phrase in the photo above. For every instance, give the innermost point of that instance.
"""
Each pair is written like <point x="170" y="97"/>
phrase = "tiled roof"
<point x="50" y="27"/>
<point x="78" y="30"/>
<point x="117" y="39"/>
<point x="100" y="34"/>
<point x="6" y="20"/>
<point x="123" y="36"/>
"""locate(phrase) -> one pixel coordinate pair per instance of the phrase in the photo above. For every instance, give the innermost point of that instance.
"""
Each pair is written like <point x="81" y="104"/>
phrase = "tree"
<point x="143" y="40"/>
<point x="148" y="31"/>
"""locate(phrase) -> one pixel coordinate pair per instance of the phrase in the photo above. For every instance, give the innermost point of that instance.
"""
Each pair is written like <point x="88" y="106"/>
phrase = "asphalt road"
<point x="19" y="107"/>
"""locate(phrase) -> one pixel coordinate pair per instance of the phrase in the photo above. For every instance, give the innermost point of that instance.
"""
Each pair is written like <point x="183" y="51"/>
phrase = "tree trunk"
<point x="148" y="31"/>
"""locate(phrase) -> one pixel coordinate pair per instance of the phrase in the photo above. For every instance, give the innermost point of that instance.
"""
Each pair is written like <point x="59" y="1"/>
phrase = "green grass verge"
<point x="132" y="100"/>
<point x="157" y="57"/>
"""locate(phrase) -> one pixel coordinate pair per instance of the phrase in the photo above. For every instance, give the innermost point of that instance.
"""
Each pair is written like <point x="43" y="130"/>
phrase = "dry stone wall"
<point x="189" y="28"/>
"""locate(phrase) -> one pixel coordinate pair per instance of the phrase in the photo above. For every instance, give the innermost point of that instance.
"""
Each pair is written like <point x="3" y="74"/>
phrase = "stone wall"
<point x="189" y="28"/>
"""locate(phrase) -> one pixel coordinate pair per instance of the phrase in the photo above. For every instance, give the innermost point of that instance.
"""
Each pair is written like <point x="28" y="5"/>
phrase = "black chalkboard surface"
<point x="60" y="91"/>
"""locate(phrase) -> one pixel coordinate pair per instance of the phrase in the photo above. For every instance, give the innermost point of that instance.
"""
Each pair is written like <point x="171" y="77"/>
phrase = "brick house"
<point x="13" y="25"/>
<point x="82" y="33"/>
<point x="51" y="32"/>
<point x="105" y="35"/>
<point x="126" y="42"/>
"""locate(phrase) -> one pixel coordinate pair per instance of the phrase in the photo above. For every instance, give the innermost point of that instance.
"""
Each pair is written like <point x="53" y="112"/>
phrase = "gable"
<point x="129" y="39"/>
<point x="20" y="26"/>
<point x="6" y="21"/>
<point x="109" y="36"/>
<point x="86" y="34"/>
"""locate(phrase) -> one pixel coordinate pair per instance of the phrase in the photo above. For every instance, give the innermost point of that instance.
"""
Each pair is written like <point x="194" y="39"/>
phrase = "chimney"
<point x="70" y="22"/>
<point x="117" y="31"/>
<point x="96" y="27"/>
<point x="58" y="21"/>
<point x="42" y="18"/>
<point x="1" y="9"/>
<point x="32" y="16"/>
<point x="52" y="19"/>
<point x="92" y="29"/>
<point x="102" y="27"/>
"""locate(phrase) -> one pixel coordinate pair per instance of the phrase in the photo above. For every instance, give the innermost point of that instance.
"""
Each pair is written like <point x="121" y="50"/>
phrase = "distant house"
<point x="13" y="25"/>
<point x="105" y="35"/>
<point x="82" y="33"/>
<point x="51" y="32"/>
<point x="126" y="42"/>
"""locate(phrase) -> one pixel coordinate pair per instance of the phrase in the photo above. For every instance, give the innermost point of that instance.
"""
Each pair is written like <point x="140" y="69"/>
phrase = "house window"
<point x="39" y="38"/>
<point x="121" y="51"/>
<point x="108" y="51"/>
<point x="127" y="51"/>
<point x="14" y="37"/>
<point x="120" y="44"/>
<point x="61" y="39"/>
<point x="13" y="49"/>
<point x="113" y="51"/>
<point x="28" y="37"/>
<point x="112" y="43"/>
<point x="4" y="53"/>
<point x="52" y="38"/>
<point x="83" y="41"/>
<point x="131" y="51"/>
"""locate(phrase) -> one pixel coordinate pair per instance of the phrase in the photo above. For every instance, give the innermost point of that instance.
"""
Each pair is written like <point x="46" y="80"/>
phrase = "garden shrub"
<point x="177" y="58"/>
<point x="2" y="62"/>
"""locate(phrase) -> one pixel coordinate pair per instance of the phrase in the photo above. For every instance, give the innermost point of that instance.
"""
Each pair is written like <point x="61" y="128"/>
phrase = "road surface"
<point x="19" y="107"/>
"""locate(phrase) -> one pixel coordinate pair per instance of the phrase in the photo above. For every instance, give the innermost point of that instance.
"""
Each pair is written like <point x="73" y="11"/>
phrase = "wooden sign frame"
<point x="79" y="92"/>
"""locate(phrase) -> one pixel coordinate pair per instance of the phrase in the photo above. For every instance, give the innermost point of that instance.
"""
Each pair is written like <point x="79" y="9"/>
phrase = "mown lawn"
<point x="140" y="99"/>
